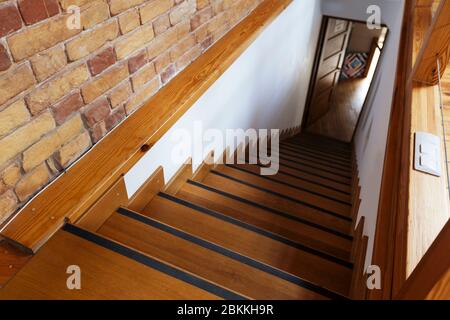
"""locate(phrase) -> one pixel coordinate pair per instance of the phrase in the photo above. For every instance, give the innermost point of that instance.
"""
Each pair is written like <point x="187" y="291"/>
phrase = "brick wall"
<point x="63" y="89"/>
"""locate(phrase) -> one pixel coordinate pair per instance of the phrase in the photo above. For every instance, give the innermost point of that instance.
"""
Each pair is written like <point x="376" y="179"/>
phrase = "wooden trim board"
<point x="147" y="191"/>
<point x="436" y="46"/>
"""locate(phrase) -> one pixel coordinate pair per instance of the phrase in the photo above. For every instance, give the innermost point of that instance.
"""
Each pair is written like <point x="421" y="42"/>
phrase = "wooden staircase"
<point x="225" y="232"/>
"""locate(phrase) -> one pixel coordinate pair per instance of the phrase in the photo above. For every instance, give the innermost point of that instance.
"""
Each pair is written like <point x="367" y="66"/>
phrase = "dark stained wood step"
<point x="279" y="255"/>
<point x="284" y="162"/>
<point x="342" y="155"/>
<point x="325" y="182"/>
<point x="296" y="181"/>
<point x="279" y="223"/>
<point x="317" y="153"/>
<point x="105" y="274"/>
<point x="317" y="167"/>
<point x="323" y="141"/>
<point x="202" y="258"/>
<point x="319" y="201"/>
<point x="308" y="158"/>
<point x="330" y="148"/>
<point x="276" y="202"/>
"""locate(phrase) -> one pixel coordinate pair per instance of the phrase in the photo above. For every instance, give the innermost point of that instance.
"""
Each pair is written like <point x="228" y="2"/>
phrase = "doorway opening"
<point x="346" y="62"/>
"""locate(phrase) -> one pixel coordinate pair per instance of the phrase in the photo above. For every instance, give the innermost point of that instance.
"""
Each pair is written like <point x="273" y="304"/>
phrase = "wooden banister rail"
<point x="393" y="195"/>
<point x="431" y="278"/>
<point x="414" y="206"/>
<point x="76" y="190"/>
<point x="435" y="47"/>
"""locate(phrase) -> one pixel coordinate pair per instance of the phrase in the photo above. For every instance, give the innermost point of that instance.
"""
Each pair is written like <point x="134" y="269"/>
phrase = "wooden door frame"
<point x="313" y="77"/>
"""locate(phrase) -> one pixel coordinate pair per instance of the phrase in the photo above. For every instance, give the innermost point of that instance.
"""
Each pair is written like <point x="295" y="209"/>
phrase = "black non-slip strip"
<point x="314" y="167"/>
<point x="310" y="181"/>
<point x="337" y="215"/>
<point x="341" y="155"/>
<point x="152" y="263"/>
<point x="308" y="157"/>
<point x="315" y="154"/>
<point x="231" y="254"/>
<point x="270" y="178"/>
<point x="320" y="147"/>
<point x="257" y="230"/>
<point x="329" y="163"/>
<point x="315" y="174"/>
<point x="340" y="145"/>
<point x="323" y="140"/>
<point x="274" y="211"/>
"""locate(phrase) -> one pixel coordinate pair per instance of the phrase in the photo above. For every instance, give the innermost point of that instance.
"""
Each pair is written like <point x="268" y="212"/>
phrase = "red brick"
<point x="36" y="10"/>
<point x="114" y="118"/>
<point x="9" y="19"/>
<point x="67" y="106"/>
<point x="207" y="43"/>
<point x="97" y="111"/>
<point x="5" y="61"/>
<point x="98" y="131"/>
<point x="201" y="17"/>
<point x="202" y="4"/>
<point x="161" y="24"/>
<point x="138" y="61"/>
<point x="168" y="74"/>
<point x="102" y="61"/>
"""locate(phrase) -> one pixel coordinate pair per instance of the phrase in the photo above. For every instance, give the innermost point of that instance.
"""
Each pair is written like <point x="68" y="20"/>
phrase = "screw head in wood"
<point x="145" y="147"/>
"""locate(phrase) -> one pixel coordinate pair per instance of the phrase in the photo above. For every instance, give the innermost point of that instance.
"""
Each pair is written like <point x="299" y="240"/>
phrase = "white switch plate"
<point x="427" y="153"/>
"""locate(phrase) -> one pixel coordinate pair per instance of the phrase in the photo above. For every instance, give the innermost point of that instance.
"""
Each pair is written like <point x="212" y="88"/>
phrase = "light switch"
<point x="427" y="154"/>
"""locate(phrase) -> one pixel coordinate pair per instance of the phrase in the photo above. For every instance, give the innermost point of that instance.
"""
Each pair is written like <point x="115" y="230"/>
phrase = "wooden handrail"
<point x="413" y="205"/>
<point x="431" y="278"/>
<point x="76" y="190"/>
<point x="393" y="195"/>
<point x="436" y="46"/>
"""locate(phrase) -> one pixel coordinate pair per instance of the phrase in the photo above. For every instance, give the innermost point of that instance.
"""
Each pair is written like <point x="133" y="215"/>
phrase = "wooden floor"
<point x="348" y="100"/>
<point x="226" y="232"/>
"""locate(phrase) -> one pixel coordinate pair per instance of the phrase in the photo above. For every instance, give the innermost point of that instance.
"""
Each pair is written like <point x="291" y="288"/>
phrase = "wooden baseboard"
<point x="184" y="173"/>
<point x="358" y="286"/>
<point x="147" y="191"/>
<point x="101" y="210"/>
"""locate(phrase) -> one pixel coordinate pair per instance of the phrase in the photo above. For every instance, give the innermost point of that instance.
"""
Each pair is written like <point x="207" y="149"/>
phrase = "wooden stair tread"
<point x="314" y="236"/>
<point x="11" y="261"/>
<point x="105" y="274"/>
<point x="291" y="163"/>
<point x="323" y="141"/>
<point x="278" y="203"/>
<point x="307" y="196"/>
<point x="324" y="181"/>
<point x="313" y="154"/>
<point x="330" y="164"/>
<point x="298" y="181"/>
<point x="315" y="269"/>
<point x="204" y="262"/>
<point x="316" y="149"/>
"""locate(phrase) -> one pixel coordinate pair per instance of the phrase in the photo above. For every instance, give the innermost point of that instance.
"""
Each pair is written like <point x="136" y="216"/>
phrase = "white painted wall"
<point x="371" y="134"/>
<point x="265" y="88"/>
